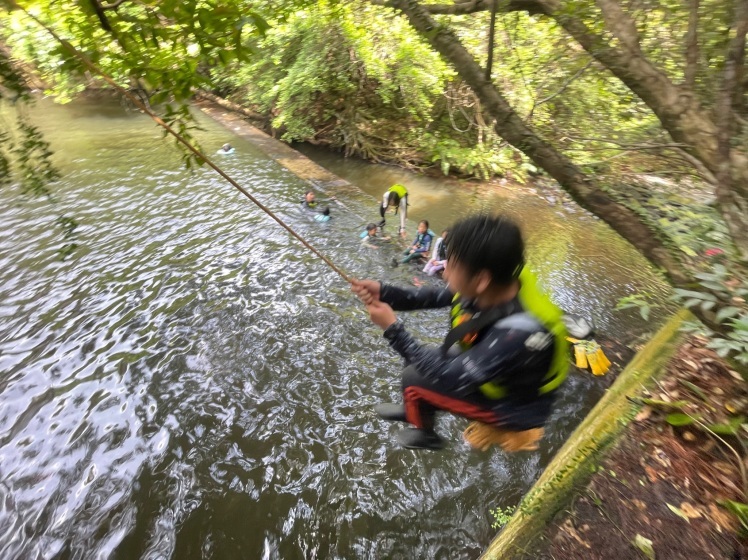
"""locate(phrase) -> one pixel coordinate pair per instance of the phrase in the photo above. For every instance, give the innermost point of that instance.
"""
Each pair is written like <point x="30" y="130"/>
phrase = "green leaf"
<point x="678" y="512"/>
<point x="645" y="545"/>
<point x="730" y="428"/>
<point x="694" y="294"/>
<point x="695" y="389"/>
<point x="687" y="250"/>
<point x="739" y="509"/>
<point x="644" y="311"/>
<point x="739" y="324"/>
<point x="726" y="313"/>
<point x="680" y="419"/>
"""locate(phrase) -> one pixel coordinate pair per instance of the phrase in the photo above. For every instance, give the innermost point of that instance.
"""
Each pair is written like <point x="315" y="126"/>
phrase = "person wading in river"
<point x="397" y="197"/>
<point x="505" y="355"/>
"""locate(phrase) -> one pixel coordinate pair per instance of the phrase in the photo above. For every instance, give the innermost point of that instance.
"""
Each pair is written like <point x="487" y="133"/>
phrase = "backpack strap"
<point x="476" y="323"/>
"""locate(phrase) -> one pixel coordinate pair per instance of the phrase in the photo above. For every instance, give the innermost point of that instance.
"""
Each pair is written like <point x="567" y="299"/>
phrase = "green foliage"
<point x="25" y="162"/>
<point x="740" y="510"/>
<point x="723" y="296"/>
<point x="12" y="87"/>
<point x="346" y="76"/>
<point x="32" y="158"/>
<point x="162" y="49"/>
<point x="502" y="516"/>
<point x="641" y="301"/>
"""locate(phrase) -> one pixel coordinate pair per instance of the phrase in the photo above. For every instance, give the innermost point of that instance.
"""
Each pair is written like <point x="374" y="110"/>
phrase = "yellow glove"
<point x="589" y="354"/>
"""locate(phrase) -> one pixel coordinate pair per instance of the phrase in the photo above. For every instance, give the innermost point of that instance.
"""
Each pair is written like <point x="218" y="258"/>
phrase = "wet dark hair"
<point x="492" y="243"/>
<point x="371" y="226"/>
<point x="393" y="199"/>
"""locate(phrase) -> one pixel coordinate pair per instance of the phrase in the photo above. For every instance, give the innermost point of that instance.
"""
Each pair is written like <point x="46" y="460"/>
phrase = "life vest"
<point x="539" y="307"/>
<point x="399" y="189"/>
<point x="441" y="251"/>
<point x="418" y="241"/>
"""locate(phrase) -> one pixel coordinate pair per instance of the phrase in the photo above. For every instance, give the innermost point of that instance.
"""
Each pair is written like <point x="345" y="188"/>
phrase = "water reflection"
<point x="193" y="383"/>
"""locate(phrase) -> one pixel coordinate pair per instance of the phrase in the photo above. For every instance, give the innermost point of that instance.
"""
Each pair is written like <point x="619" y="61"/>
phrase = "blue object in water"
<point x="321" y="218"/>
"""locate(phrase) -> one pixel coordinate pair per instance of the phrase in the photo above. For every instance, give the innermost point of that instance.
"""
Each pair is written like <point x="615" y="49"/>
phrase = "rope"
<point x="138" y="103"/>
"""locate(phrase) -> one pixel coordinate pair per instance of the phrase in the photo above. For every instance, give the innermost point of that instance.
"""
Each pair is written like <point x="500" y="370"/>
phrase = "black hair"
<point x="371" y="226"/>
<point x="492" y="243"/>
<point x="310" y="191"/>
<point x="393" y="199"/>
<point x="425" y="222"/>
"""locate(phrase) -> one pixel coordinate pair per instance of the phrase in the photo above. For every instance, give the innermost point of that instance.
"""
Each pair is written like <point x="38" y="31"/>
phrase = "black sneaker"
<point x="414" y="438"/>
<point x="391" y="412"/>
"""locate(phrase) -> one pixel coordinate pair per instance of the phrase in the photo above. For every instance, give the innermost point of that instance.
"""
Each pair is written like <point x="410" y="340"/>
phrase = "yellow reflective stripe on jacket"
<point x="540" y="306"/>
<point x="549" y="314"/>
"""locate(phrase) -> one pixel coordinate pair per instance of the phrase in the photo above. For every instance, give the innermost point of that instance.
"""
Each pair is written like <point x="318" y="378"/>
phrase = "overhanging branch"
<point x="474" y="6"/>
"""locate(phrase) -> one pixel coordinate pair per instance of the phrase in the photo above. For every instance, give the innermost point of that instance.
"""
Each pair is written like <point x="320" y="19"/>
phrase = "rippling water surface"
<point x="192" y="383"/>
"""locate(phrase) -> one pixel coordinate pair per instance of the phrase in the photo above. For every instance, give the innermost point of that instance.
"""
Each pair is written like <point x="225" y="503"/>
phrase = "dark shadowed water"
<point x="192" y="383"/>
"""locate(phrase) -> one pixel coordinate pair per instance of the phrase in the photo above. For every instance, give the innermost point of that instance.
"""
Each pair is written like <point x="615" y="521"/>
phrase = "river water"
<point x="192" y="383"/>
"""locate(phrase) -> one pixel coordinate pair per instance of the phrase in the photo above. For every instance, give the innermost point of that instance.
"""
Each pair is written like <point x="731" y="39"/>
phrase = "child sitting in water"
<point x="226" y="149"/>
<point x="438" y="259"/>
<point x="371" y="239"/>
<point x="419" y="249"/>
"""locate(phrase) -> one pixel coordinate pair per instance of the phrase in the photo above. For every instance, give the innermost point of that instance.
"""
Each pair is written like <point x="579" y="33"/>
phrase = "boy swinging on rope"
<point x="502" y="360"/>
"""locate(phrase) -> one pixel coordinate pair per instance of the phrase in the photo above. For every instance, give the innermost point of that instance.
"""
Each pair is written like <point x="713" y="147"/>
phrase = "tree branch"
<point x="113" y="5"/>
<point x="620" y="24"/>
<point x="491" y="39"/>
<point x="732" y="205"/>
<point x="510" y="126"/>
<point x="692" y="45"/>
<point x="98" y="10"/>
<point x="565" y="85"/>
<point x="473" y="6"/>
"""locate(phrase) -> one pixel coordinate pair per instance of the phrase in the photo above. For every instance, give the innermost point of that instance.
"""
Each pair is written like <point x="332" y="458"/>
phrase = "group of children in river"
<point x="422" y="249"/>
<point x="506" y="352"/>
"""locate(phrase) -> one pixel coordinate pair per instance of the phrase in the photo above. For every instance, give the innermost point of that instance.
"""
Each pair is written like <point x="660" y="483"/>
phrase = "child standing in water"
<point x="397" y="197"/>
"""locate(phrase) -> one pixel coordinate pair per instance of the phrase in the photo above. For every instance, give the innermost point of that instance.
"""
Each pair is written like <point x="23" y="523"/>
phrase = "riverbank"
<point x="666" y="487"/>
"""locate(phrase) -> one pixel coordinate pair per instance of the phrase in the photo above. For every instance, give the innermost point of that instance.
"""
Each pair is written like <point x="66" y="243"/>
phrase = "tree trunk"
<point x="731" y="176"/>
<point x="692" y="45"/>
<point x="510" y="126"/>
<point x="676" y="106"/>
